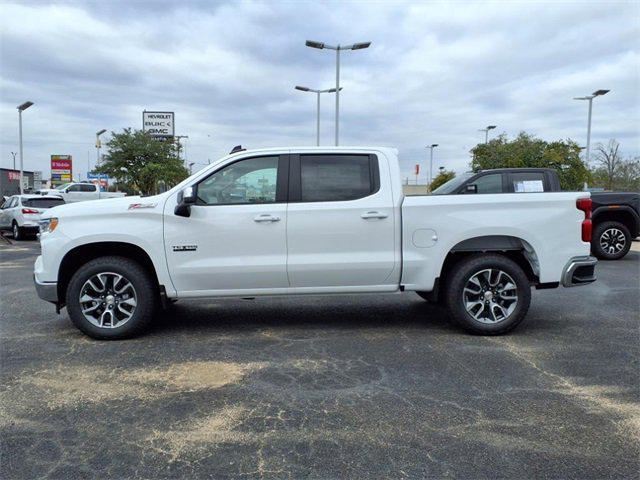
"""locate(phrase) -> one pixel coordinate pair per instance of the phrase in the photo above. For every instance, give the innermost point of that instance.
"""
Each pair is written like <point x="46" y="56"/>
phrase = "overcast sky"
<point x="435" y="73"/>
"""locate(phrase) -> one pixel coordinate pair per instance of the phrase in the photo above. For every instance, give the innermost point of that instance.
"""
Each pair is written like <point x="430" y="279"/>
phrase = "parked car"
<point x="310" y="221"/>
<point x="615" y="216"/>
<point x="21" y="213"/>
<point x="79" y="192"/>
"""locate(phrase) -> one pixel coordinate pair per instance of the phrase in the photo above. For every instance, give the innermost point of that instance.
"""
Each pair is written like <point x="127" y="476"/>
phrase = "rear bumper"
<point x="579" y="271"/>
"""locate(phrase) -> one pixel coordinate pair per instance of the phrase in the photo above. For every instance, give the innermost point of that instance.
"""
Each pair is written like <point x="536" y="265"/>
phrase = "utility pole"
<point x="431" y="147"/>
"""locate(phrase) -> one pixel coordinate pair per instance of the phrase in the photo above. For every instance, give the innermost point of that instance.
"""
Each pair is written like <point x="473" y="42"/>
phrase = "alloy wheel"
<point x="612" y="240"/>
<point x="490" y="296"/>
<point x="108" y="300"/>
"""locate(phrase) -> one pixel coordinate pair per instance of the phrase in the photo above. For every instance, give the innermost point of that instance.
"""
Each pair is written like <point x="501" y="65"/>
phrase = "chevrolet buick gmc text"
<point x="315" y="220"/>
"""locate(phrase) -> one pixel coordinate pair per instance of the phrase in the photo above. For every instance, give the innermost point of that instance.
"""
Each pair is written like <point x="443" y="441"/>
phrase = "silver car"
<point x="21" y="213"/>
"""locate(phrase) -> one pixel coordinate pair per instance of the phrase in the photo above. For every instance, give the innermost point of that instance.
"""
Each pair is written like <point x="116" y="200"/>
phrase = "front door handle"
<point x="265" y="217"/>
<point x="374" y="215"/>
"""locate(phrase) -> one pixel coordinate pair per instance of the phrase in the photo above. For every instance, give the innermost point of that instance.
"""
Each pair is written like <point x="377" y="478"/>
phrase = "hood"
<point x="108" y="206"/>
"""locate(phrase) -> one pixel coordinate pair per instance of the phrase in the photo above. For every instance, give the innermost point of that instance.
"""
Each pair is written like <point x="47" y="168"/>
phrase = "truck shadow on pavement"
<point x="314" y="314"/>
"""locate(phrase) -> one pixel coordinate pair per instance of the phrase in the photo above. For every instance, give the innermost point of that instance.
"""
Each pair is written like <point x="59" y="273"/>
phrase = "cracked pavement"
<point x="375" y="386"/>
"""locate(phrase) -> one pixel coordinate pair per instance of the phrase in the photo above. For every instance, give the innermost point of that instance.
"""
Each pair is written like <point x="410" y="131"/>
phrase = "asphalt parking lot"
<point x="324" y="387"/>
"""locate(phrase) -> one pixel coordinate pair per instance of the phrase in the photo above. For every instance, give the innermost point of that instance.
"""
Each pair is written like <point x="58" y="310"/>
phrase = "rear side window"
<point x="74" y="188"/>
<point x="526" y="182"/>
<point x="491" y="183"/>
<point x="325" y="178"/>
<point x="42" y="202"/>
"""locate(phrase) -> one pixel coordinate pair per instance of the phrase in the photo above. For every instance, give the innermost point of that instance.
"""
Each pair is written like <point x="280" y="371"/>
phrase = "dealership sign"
<point x="61" y="169"/>
<point x="158" y="124"/>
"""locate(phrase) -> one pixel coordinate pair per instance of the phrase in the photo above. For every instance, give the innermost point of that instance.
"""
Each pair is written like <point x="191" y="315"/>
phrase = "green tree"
<point x="443" y="177"/>
<point x="527" y="151"/>
<point x="138" y="162"/>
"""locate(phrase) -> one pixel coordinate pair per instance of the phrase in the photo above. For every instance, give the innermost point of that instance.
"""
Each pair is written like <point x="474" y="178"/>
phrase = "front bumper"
<point x="579" y="271"/>
<point x="46" y="291"/>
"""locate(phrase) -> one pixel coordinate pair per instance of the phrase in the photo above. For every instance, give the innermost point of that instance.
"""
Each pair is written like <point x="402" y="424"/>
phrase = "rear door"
<point x="340" y="222"/>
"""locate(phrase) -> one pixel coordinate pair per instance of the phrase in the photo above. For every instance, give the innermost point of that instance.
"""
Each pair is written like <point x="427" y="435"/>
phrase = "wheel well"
<point x="513" y="248"/>
<point x="78" y="256"/>
<point x="623" y="217"/>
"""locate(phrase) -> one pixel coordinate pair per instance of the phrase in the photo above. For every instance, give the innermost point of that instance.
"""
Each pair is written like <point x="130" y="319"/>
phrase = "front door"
<point x="235" y="238"/>
<point x="341" y="225"/>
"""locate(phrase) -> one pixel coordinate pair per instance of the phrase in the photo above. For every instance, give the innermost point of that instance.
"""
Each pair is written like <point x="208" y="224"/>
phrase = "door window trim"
<point x="282" y="182"/>
<point x="295" y="176"/>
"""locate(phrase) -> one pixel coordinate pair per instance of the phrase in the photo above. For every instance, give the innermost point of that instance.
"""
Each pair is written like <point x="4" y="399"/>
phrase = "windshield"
<point x="62" y="187"/>
<point x="43" y="202"/>
<point x="453" y="184"/>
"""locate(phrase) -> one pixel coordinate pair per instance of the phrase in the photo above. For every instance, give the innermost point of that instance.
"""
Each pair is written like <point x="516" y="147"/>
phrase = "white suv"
<point x="21" y="213"/>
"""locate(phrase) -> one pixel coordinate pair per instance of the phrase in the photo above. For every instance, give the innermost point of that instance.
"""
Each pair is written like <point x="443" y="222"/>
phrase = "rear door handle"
<point x="374" y="215"/>
<point x="265" y="217"/>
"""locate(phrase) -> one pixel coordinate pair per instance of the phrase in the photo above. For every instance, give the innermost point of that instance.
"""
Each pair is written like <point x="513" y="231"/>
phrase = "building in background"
<point x="10" y="181"/>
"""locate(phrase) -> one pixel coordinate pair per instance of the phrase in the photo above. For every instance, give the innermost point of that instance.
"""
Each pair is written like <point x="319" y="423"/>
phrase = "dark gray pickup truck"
<point x="615" y="215"/>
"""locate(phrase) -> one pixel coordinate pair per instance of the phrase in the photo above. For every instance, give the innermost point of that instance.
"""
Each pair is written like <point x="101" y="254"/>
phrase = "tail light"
<point x="29" y="211"/>
<point x="584" y="204"/>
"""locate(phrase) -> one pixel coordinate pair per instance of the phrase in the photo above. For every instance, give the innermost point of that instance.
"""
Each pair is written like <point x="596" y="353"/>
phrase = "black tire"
<point x="145" y="291"/>
<point x="18" y="233"/>
<point x="462" y="274"/>
<point x="604" y="236"/>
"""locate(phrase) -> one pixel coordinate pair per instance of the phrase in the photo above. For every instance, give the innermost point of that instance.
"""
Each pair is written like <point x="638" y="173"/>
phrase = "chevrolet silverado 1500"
<point x="310" y="221"/>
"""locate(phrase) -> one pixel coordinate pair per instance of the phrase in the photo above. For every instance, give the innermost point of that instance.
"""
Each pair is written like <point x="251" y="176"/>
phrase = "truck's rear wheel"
<point x="611" y="240"/>
<point x="111" y="298"/>
<point x="488" y="294"/>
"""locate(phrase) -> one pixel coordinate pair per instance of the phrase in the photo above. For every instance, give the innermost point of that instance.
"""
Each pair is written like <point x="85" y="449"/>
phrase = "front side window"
<point x="334" y="177"/>
<point x="74" y="188"/>
<point x="245" y="182"/>
<point x="87" y="188"/>
<point x="491" y="183"/>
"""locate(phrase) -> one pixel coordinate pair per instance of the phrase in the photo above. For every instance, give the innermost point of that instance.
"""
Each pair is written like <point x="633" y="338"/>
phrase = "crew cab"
<point x="615" y="216"/>
<point x="79" y="192"/>
<point x="316" y="220"/>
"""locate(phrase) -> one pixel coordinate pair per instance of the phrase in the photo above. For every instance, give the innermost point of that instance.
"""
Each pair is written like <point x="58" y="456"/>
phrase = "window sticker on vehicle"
<point x="527" y="186"/>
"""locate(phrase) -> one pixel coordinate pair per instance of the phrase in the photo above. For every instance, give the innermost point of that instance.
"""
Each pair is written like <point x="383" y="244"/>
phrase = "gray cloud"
<point x="436" y="73"/>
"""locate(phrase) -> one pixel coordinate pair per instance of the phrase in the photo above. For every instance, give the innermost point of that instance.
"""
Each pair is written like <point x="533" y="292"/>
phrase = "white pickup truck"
<point x="310" y="221"/>
<point x="79" y="192"/>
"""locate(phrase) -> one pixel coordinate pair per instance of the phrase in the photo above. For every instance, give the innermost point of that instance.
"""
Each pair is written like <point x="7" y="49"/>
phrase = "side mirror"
<point x="186" y="198"/>
<point x="471" y="188"/>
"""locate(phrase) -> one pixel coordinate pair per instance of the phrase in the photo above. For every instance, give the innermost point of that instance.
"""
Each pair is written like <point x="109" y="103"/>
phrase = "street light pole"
<point x="317" y="92"/>
<point x="431" y="147"/>
<point x="98" y="145"/>
<point x="21" y="108"/>
<point x="337" y="48"/>
<point x="595" y="94"/>
<point x="14" y="159"/>
<point x="486" y="132"/>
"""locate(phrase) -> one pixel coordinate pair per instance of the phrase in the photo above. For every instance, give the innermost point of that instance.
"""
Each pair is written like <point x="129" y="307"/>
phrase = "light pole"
<point x="431" y="147"/>
<point x="595" y="94"/>
<point x="337" y="48"/>
<point x="486" y="132"/>
<point x="13" y="154"/>
<point x="317" y="92"/>
<point x="22" y="108"/>
<point x="98" y="145"/>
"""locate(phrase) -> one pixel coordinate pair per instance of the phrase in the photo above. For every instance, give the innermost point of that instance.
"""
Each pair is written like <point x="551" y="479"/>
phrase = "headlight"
<point x="48" y="225"/>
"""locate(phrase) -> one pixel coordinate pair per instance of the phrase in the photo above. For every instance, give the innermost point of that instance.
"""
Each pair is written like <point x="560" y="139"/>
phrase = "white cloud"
<point x="436" y="73"/>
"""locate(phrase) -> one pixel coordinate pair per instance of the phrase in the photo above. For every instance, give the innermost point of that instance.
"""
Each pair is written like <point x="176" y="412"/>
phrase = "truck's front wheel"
<point x="488" y="294"/>
<point x="111" y="298"/>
